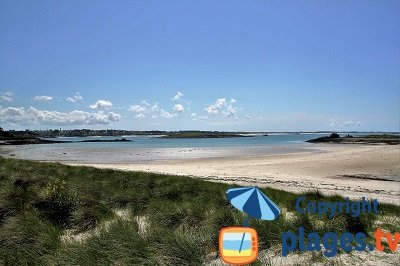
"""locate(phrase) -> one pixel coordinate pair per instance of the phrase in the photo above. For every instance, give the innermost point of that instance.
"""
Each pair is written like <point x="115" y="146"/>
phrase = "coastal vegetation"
<point x="367" y="139"/>
<point x="13" y="137"/>
<point x="36" y="137"/>
<point x="204" y="134"/>
<point x="53" y="133"/>
<point x="54" y="214"/>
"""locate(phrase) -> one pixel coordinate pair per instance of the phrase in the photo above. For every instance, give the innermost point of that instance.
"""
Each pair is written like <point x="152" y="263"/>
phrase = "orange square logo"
<point x="238" y="245"/>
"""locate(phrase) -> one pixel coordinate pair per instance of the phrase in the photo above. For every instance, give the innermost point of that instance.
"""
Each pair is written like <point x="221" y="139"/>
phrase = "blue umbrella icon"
<point x="253" y="202"/>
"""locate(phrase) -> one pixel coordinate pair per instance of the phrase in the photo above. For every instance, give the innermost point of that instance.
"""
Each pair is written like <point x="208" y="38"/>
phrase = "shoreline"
<point x="351" y="170"/>
<point x="354" y="172"/>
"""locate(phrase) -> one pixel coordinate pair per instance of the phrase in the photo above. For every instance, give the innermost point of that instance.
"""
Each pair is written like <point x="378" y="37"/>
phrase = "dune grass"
<point x="181" y="216"/>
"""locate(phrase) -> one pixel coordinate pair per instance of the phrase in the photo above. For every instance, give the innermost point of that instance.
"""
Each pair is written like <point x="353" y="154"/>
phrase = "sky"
<point x="200" y="65"/>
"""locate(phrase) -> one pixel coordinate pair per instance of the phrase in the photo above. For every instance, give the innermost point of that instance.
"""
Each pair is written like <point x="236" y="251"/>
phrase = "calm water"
<point x="155" y="142"/>
<point x="150" y="148"/>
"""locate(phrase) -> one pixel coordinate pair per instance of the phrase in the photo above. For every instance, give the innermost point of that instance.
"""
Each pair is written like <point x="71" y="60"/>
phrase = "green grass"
<point x="40" y="202"/>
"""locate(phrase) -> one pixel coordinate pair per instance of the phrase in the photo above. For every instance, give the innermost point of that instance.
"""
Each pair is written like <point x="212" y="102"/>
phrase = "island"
<point x="30" y="137"/>
<point x="366" y="139"/>
<point x="203" y="134"/>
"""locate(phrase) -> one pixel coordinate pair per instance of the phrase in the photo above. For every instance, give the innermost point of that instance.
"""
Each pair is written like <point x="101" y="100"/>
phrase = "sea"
<point x="152" y="148"/>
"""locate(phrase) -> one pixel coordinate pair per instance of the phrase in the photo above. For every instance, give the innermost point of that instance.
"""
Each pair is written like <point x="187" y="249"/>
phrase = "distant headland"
<point x="367" y="139"/>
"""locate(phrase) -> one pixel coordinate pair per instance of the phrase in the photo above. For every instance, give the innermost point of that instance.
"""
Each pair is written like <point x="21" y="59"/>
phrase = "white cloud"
<point x="9" y="113"/>
<point x="154" y="116"/>
<point x="155" y="108"/>
<point x="350" y="123"/>
<point x="231" y="111"/>
<point x="76" y="98"/>
<point x="140" y="116"/>
<point x="76" y="117"/>
<point x="145" y="103"/>
<point x="332" y="123"/>
<point x="178" y="108"/>
<point x="42" y="98"/>
<point x="248" y="117"/>
<point x="178" y="96"/>
<point x="137" y="109"/>
<point x="101" y="104"/>
<point x="215" y="108"/>
<point x="166" y="114"/>
<point x="114" y="117"/>
<point x="221" y="106"/>
<point x="6" y="96"/>
<point x="193" y="116"/>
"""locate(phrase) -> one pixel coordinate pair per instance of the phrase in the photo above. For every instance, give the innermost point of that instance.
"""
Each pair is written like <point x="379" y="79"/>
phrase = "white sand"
<point x="349" y="170"/>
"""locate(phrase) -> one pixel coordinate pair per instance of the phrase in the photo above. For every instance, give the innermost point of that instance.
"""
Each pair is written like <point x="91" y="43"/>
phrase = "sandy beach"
<point x="353" y="171"/>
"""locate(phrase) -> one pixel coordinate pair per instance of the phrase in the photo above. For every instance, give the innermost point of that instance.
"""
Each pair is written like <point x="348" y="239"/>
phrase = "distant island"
<point x="203" y="134"/>
<point x="29" y="137"/>
<point x="367" y="139"/>
<point x="46" y="141"/>
<point x="13" y="137"/>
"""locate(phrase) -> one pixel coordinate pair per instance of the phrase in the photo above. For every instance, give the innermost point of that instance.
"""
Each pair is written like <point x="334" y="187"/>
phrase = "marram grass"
<point x="53" y="214"/>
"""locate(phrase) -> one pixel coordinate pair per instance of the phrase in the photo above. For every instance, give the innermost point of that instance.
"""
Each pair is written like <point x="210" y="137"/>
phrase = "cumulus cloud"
<point x="215" y="108"/>
<point x="332" y="122"/>
<point x="101" y="104"/>
<point x="145" y="103"/>
<point x="221" y="105"/>
<point x="140" y="116"/>
<point x="42" y="98"/>
<point x="114" y="117"/>
<point x="347" y="123"/>
<point x="178" y="108"/>
<point x="231" y="111"/>
<point x="6" y="96"/>
<point x="11" y="113"/>
<point x="74" y="99"/>
<point x="76" y="117"/>
<point x="350" y="123"/>
<point x="178" y="96"/>
<point x="166" y="114"/>
<point x="155" y="108"/>
<point x="137" y="108"/>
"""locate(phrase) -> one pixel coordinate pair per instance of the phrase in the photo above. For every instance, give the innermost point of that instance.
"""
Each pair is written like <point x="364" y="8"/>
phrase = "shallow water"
<point x="150" y="148"/>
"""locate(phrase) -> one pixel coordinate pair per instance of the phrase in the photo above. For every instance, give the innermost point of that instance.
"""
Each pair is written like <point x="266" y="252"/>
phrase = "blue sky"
<point x="237" y="65"/>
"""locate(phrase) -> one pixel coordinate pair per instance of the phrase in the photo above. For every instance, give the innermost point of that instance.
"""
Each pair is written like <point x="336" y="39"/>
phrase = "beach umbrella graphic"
<point x="253" y="202"/>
